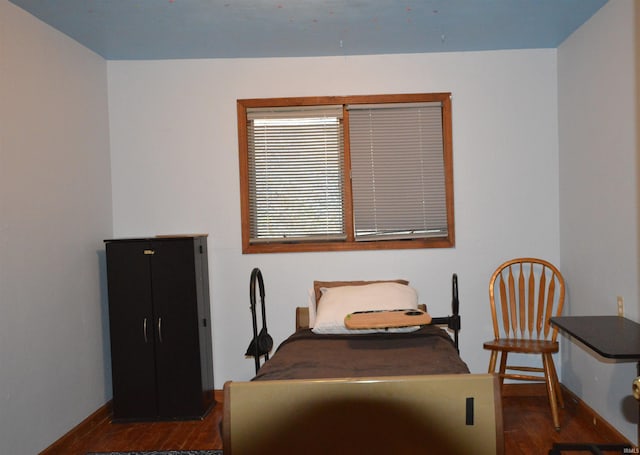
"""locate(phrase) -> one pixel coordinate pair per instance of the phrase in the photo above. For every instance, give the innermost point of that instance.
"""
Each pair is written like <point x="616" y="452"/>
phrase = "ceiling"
<point x="175" y="29"/>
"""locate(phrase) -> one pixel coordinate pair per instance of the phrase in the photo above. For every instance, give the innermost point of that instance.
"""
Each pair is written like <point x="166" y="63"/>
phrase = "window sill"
<point x="445" y="242"/>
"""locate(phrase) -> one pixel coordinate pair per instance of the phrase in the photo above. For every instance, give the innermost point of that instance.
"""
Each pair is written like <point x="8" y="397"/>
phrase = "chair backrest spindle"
<point x="531" y="302"/>
<point x="541" y="314"/>
<point x="512" y="304"/>
<point x="504" y="308"/>
<point x="521" y="310"/>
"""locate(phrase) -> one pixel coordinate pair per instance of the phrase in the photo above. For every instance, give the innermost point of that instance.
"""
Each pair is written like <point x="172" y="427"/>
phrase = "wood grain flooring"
<point x="528" y="429"/>
<point x="528" y="425"/>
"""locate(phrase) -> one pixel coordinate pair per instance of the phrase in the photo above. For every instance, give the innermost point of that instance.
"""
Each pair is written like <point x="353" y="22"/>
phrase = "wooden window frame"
<point x="349" y="244"/>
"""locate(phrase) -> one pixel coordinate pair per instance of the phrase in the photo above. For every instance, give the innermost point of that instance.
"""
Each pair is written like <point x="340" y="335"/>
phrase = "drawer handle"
<point x="160" y="329"/>
<point x="144" y="330"/>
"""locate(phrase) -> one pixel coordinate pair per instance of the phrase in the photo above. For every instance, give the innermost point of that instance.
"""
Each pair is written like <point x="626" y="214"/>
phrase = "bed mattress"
<point x="305" y="355"/>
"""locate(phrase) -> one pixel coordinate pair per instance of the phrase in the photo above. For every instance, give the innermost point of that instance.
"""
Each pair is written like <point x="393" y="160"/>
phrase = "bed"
<point x="400" y="390"/>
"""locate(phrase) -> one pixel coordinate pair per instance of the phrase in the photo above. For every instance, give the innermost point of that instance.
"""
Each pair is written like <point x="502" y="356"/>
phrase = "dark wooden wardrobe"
<point x="160" y="328"/>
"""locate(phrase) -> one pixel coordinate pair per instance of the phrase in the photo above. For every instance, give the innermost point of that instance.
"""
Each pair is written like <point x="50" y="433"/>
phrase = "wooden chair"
<point x="524" y="294"/>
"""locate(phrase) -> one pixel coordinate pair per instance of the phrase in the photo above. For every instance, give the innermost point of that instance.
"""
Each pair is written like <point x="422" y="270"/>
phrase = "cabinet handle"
<point x="144" y="330"/>
<point x="160" y="329"/>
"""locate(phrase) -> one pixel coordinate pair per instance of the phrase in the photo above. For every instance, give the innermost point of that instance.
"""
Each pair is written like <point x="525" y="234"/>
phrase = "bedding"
<point x="306" y="355"/>
<point x="315" y="293"/>
<point x="319" y="285"/>
<point x="337" y="302"/>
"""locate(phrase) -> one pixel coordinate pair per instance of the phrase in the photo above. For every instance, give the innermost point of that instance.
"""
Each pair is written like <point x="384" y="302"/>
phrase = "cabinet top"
<point x="157" y="237"/>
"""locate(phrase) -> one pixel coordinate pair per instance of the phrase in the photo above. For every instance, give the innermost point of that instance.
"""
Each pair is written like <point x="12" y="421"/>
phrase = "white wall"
<point x="175" y="170"/>
<point x="598" y="123"/>
<point x="55" y="209"/>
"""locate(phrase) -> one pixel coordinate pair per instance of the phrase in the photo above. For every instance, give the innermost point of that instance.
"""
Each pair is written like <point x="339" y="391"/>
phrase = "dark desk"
<point x="612" y="337"/>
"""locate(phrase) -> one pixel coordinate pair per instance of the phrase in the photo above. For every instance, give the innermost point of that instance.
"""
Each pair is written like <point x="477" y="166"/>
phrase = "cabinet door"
<point x="131" y="323"/>
<point x="177" y="343"/>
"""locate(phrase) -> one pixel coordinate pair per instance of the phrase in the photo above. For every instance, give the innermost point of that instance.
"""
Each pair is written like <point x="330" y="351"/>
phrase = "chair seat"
<point x="522" y="345"/>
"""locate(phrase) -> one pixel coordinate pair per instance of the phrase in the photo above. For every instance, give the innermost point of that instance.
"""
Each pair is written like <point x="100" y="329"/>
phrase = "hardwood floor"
<point x="98" y="434"/>
<point x="528" y="425"/>
<point x="528" y="429"/>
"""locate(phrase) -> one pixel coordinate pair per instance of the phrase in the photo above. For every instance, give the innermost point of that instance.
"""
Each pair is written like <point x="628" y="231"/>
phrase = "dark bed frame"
<point x="262" y="343"/>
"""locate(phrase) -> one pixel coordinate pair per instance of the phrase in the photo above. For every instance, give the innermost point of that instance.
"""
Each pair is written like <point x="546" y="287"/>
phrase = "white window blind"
<point x="296" y="163"/>
<point x="398" y="176"/>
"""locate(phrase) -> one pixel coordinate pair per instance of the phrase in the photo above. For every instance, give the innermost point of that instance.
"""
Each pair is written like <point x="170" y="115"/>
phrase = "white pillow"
<point x="337" y="302"/>
<point x="312" y="308"/>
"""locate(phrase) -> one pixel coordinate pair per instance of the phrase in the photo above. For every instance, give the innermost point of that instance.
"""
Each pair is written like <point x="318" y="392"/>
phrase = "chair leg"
<point x="557" y="382"/>
<point x="547" y="361"/>
<point x="503" y="366"/>
<point x="492" y="361"/>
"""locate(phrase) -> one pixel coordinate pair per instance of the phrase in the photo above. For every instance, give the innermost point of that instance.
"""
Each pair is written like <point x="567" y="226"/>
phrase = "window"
<point x="296" y="164"/>
<point x="346" y="173"/>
